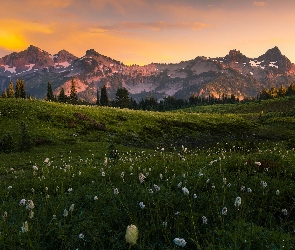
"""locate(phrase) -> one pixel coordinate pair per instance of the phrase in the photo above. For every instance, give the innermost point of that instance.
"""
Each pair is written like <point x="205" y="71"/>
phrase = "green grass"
<point x="90" y="151"/>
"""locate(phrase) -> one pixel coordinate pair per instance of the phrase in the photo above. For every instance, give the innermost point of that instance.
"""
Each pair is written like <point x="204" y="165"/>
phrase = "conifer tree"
<point x="22" y="89"/>
<point x="122" y="98"/>
<point x="73" y="93"/>
<point x="17" y="89"/>
<point x="50" y="96"/>
<point x="104" y="100"/>
<point x="97" y="97"/>
<point x="62" y="96"/>
<point x="10" y="90"/>
<point x="4" y="93"/>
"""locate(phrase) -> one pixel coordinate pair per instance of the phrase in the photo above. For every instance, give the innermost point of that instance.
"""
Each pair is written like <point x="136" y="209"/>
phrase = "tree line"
<point x="277" y="92"/>
<point x="17" y="92"/>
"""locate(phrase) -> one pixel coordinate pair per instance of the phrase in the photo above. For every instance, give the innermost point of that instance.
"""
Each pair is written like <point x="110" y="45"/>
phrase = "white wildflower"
<point x="258" y="163"/>
<point x="185" y="191"/>
<point x="103" y="174"/>
<point x="208" y="180"/>
<point x="179" y="184"/>
<point x="30" y="205"/>
<point x="141" y="177"/>
<point x="151" y="191"/>
<point x="157" y="188"/>
<point x="35" y="168"/>
<point x="116" y="191"/>
<point x="224" y="180"/>
<point x="238" y="201"/>
<point x="243" y="188"/>
<point x="95" y="198"/>
<point x="122" y="175"/>
<point x="284" y="211"/>
<point x="9" y="187"/>
<point x="164" y="224"/>
<point x="66" y="213"/>
<point x="263" y="184"/>
<point x="25" y="227"/>
<point x="204" y="218"/>
<point x="71" y="209"/>
<point x="277" y="192"/>
<point x="81" y="236"/>
<point x="161" y="176"/>
<point x="70" y="190"/>
<point x="179" y="242"/>
<point x="224" y="211"/>
<point x="249" y="190"/>
<point x="22" y="202"/>
<point x="195" y="196"/>
<point x="131" y="235"/>
<point x="142" y="206"/>
<point x="46" y="160"/>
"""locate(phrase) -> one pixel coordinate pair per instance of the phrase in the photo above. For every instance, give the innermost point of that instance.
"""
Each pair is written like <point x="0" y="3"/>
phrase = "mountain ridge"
<point x="235" y="73"/>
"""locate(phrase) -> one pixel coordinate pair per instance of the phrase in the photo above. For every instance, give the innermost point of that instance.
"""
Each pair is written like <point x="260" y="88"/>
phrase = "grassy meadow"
<point x="210" y="177"/>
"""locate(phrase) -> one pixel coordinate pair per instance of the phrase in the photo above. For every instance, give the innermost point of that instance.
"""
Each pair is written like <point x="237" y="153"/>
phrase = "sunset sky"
<point x="145" y="31"/>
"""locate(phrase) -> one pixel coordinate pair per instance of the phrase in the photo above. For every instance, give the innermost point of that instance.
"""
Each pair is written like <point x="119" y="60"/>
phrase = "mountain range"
<point x="234" y="73"/>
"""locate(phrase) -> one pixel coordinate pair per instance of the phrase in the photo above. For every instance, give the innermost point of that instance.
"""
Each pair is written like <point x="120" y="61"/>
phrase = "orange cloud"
<point x="260" y="4"/>
<point x="155" y="26"/>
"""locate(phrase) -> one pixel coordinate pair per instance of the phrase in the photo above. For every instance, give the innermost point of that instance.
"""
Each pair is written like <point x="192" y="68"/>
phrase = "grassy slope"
<point x="77" y="163"/>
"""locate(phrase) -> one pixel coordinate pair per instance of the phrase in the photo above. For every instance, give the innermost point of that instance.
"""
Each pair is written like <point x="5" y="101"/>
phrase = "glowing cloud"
<point x="260" y="4"/>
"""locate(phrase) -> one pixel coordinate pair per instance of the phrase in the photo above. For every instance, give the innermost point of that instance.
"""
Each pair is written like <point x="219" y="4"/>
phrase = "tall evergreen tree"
<point x="122" y="98"/>
<point x="22" y="89"/>
<point x="10" y="90"/>
<point x="104" y="100"/>
<point x="50" y="96"/>
<point x="62" y="96"/>
<point x="17" y="89"/>
<point x="4" y="93"/>
<point x="97" y="97"/>
<point x="73" y="93"/>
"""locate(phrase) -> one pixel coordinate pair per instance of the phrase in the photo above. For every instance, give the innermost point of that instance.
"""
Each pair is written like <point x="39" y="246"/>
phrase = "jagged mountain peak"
<point x="236" y="56"/>
<point x="64" y="56"/>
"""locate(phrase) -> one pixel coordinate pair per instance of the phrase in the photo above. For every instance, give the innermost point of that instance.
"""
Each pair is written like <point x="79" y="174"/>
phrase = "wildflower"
<point x="200" y="174"/>
<point x="79" y="173"/>
<point x="131" y="235"/>
<point x="185" y="191"/>
<point x="208" y="181"/>
<point x="243" y="188"/>
<point x="66" y="213"/>
<point x="46" y="188"/>
<point x="263" y="184"/>
<point x="95" y="198"/>
<point x="142" y="206"/>
<point x="238" y="201"/>
<point x="224" y="180"/>
<point x="105" y="162"/>
<point x="157" y="188"/>
<point x="249" y="190"/>
<point x="224" y="211"/>
<point x="179" y="242"/>
<point x="277" y="192"/>
<point x="228" y="185"/>
<point x="33" y="190"/>
<point x="257" y="163"/>
<point x="116" y="191"/>
<point x="9" y="187"/>
<point x="204" y="219"/>
<point x="284" y="211"/>
<point x="31" y="214"/>
<point x="54" y="217"/>
<point x="195" y="196"/>
<point x="70" y="190"/>
<point x="46" y="160"/>
<point x="35" y="168"/>
<point x="161" y="176"/>
<point x="213" y="186"/>
<point x="122" y="175"/>
<point x="151" y="191"/>
<point x="179" y="184"/>
<point x="4" y="215"/>
<point x="22" y="202"/>
<point x="103" y="174"/>
<point x="164" y="224"/>
<point x="71" y="209"/>
<point x="141" y="177"/>
<point x="30" y="205"/>
<point x="183" y="175"/>
<point x="25" y="227"/>
<point x="177" y="213"/>
<point x="81" y="236"/>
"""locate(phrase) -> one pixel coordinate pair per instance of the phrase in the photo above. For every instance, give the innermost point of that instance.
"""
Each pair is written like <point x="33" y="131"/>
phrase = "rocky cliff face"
<point x="233" y="74"/>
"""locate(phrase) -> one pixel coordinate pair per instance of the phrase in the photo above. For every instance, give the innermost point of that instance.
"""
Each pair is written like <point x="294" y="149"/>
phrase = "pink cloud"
<point x="260" y="4"/>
